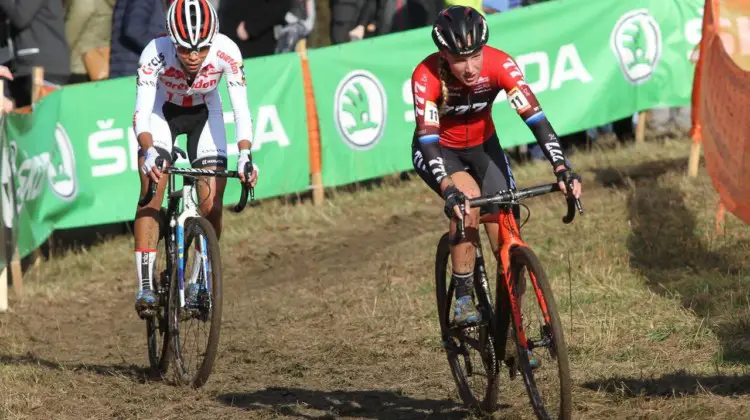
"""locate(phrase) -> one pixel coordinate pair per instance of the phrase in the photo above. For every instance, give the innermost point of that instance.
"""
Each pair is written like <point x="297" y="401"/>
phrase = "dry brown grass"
<point x="329" y="312"/>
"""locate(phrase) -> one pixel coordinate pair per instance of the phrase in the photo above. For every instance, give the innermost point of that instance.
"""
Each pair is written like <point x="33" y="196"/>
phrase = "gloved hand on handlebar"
<point x="566" y="177"/>
<point x="453" y="198"/>
<point x="244" y="159"/>
<point x="150" y="168"/>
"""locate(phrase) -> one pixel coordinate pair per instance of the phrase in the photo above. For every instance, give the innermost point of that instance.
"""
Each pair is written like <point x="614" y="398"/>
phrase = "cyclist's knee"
<point x="211" y="209"/>
<point x="472" y="219"/>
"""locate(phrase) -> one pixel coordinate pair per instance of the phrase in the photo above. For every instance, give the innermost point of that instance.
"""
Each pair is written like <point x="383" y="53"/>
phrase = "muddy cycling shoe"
<point x="145" y="303"/>
<point x="464" y="313"/>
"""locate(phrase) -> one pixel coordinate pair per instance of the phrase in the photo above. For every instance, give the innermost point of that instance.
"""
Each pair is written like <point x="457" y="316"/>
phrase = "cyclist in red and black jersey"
<point x="455" y="149"/>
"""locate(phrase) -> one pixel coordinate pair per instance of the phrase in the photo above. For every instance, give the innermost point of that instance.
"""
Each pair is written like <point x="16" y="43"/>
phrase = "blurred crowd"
<point x="78" y="41"/>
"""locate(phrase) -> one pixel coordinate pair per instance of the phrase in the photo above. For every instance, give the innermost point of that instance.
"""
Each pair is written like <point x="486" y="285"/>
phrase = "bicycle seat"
<point x="176" y="152"/>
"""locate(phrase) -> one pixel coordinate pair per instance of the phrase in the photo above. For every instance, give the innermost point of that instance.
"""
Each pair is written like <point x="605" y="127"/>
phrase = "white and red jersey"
<point x="161" y="79"/>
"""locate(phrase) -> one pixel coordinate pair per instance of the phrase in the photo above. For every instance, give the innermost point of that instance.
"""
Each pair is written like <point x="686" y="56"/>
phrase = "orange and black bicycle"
<point x="476" y="352"/>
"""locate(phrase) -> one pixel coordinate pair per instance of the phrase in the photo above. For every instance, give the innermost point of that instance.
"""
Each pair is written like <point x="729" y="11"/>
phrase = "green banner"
<point x="42" y="186"/>
<point x="89" y="128"/>
<point x="588" y="62"/>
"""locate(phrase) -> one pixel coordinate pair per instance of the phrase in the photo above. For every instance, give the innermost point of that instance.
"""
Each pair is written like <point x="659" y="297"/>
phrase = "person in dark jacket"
<point x="250" y="24"/>
<point x="134" y="24"/>
<point x="349" y="19"/>
<point x="37" y="30"/>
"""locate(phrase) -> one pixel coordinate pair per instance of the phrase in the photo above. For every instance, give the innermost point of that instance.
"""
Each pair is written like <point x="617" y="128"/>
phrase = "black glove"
<point x="453" y="197"/>
<point x="567" y="176"/>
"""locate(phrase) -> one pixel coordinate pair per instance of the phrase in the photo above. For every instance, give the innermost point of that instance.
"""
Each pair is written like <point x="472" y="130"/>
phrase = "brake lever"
<point x="460" y="233"/>
<point x="579" y="206"/>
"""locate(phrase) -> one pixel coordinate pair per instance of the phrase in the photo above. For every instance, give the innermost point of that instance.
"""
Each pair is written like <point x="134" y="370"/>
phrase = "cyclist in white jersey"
<point x="176" y="94"/>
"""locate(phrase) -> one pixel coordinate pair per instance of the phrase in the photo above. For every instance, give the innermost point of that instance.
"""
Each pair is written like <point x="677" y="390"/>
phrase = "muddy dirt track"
<point x="329" y="313"/>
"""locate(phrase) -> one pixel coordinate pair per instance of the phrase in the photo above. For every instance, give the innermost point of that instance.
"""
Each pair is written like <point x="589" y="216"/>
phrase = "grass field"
<point x="329" y="312"/>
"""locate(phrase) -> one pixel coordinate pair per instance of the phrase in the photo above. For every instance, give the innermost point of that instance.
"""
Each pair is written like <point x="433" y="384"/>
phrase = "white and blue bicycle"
<point x="191" y="250"/>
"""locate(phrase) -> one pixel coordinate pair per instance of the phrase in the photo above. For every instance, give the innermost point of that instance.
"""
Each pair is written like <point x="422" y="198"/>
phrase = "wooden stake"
<point x="37" y="82"/>
<point x="695" y="157"/>
<point x="640" y="128"/>
<point x="313" y="128"/>
<point x="721" y="211"/>
<point x="16" y="273"/>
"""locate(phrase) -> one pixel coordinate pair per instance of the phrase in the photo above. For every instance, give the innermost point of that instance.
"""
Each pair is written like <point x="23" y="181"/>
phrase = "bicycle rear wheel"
<point x="539" y="336"/>
<point x="157" y="335"/>
<point x="195" y="326"/>
<point x="470" y="351"/>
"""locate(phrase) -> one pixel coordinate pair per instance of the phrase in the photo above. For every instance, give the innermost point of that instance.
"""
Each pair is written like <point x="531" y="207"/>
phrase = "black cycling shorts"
<point x="487" y="164"/>
<point x="206" y="138"/>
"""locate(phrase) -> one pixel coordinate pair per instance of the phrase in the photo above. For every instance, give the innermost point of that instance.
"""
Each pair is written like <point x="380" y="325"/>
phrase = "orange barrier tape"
<point x="724" y="96"/>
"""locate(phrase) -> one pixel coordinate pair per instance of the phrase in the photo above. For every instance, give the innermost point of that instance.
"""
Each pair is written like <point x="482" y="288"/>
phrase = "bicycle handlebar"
<point x="511" y="197"/>
<point x="190" y="172"/>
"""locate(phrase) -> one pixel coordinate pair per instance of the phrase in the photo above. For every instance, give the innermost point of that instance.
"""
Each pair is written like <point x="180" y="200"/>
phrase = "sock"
<point x="464" y="283"/>
<point x="144" y="263"/>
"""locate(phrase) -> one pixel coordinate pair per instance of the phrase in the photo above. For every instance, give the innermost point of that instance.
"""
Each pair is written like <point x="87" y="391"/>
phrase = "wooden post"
<point x="313" y="128"/>
<point x="640" y="128"/>
<point x="695" y="157"/>
<point x="4" y="290"/>
<point x="721" y="211"/>
<point x="16" y="273"/>
<point x="37" y="84"/>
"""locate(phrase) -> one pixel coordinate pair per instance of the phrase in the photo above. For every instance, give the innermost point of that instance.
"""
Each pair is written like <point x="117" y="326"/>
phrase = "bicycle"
<point x="178" y="229"/>
<point x="488" y="338"/>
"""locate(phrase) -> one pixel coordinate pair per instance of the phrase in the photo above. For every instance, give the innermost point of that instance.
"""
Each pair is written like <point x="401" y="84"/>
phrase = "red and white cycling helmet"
<point x="192" y="24"/>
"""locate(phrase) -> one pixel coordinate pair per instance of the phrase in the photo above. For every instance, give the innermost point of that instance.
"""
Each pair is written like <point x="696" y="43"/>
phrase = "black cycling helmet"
<point x="455" y="25"/>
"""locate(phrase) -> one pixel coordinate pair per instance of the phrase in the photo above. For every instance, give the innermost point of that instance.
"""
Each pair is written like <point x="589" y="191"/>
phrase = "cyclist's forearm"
<point x="244" y="144"/>
<point x="547" y="139"/>
<point x="433" y="158"/>
<point x="445" y="183"/>
<point x="145" y="140"/>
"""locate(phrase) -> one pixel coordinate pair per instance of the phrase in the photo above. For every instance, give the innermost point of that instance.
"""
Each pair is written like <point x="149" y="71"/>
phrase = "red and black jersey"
<point x="467" y="121"/>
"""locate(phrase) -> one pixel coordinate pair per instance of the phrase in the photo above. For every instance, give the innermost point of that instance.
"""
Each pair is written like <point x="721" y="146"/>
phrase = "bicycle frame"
<point x="509" y="237"/>
<point x="188" y="196"/>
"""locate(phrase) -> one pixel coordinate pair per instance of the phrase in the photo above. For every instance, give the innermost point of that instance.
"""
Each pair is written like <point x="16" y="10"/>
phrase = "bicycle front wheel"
<point x="195" y="309"/>
<point x="538" y="335"/>
<point x="471" y="350"/>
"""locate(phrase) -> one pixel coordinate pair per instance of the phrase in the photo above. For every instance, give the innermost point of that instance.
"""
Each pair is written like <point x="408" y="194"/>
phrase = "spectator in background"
<point x="499" y="6"/>
<point x="402" y="15"/>
<point x="300" y="21"/>
<point x="422" y="12"/>
<point x="392" y="16"/>
<point x="88" y="25"/>
<point x="250" y="24"/>
<point x="37" y="30"/>
<point x="134" y="24"/>
<point x="475" y="4"/>
<point x="349" y="19"/>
